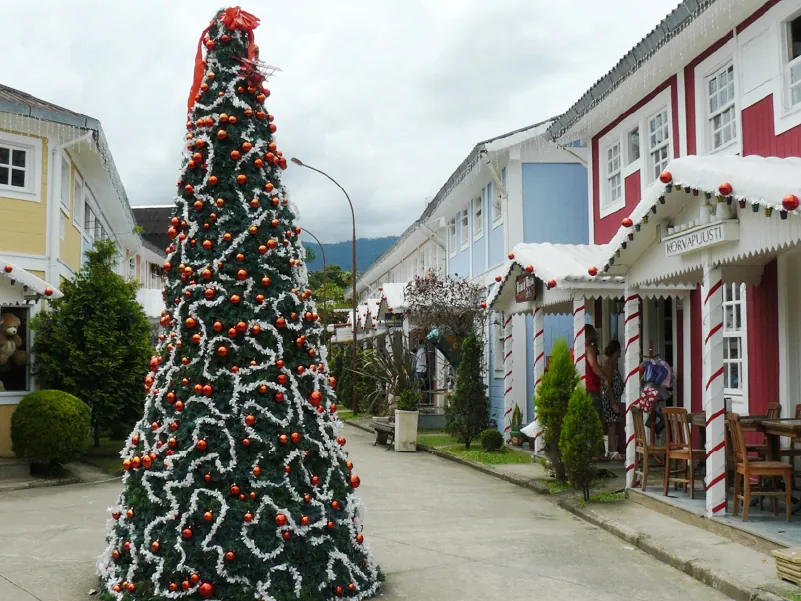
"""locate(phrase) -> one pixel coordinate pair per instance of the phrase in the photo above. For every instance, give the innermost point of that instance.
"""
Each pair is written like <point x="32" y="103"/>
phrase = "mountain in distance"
<point x="339" y="253"/>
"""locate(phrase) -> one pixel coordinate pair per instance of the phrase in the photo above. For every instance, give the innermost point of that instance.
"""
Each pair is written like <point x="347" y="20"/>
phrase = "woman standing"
<point x="593" y="372"/>
<point x="612" y="393"/>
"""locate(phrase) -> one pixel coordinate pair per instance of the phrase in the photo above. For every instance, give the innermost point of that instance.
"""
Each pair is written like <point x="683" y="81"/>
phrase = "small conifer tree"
<point x="582" y="435"/>
<point x="468" y="413"/>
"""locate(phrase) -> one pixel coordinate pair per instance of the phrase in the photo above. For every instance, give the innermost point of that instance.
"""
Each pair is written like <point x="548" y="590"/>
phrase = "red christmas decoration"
<point x="790" y="202"/>
<point x="626" y="222"/>
<point x="725" y="189"/>
<point x="665" y="177"/>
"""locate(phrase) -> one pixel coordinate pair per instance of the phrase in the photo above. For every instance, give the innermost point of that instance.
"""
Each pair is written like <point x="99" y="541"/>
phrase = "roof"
<point x="565" y="264"/>
<point x="21" y="103"/>
<point x="759" y="181"/>
<point x="513" y="137"/>
<point x="28" y="281"/>
<point x="394" y="295"/>
<point x="684" y="14"/>
<point x="154" y="221"/>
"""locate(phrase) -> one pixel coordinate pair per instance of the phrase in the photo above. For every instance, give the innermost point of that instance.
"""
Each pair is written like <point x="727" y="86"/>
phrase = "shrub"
<point x="491" y="439"/>
<point x="409" y="400"/>
<point x="582" y="434"/>
<point x="468" y="413"/>
<point x="50" y="427"/>
<point x="551" y="399"/>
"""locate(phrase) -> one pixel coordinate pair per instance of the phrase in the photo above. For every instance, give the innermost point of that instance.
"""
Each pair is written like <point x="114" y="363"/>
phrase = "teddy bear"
<point x="10" y="341"/>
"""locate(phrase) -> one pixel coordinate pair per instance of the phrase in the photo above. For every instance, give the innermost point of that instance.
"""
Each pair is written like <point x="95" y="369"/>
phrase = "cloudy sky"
<point x="387" y="96"/>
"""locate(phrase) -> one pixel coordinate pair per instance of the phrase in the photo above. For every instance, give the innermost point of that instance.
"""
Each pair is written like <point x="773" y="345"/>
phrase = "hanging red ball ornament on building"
<point x="790" y="202"/>
<point x="665" y="177"/>
<point x="626" y="222"/>
<point x="593" y="271"/>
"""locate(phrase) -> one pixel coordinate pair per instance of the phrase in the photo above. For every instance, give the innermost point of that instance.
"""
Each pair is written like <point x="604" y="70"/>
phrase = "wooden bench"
<point x="384" y="431"/>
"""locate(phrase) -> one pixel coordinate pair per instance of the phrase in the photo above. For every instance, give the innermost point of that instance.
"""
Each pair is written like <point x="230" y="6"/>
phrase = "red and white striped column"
<point x="508" y="377"/>
<point x="632" y="353"/>
<point x="714" y="403"/>
<point x="539" y="366"/>
<point x="579" y="327"/>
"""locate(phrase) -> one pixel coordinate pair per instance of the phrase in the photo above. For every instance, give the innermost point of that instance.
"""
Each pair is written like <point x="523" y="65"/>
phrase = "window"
<point x="452" y="235"/>
<point x="720" y="93"/>
<point x="733" y="337"/>
<point x="66" y="188"/>
<point x="155" y="276"/>
<point x="497" y="205"/>
<point x="614" y="178"/>
<point x="478" y="222"/>
<point x="659" y="142"/>
<point x="93" y="229"/>
<point x="465" y="227"/>
<point x="13" y="167"/>
<point x="77" y="196"/>
<point x="633" y="146"/>
<point x="497" y="340"/>
<point x="132" y="268"/>
<point x="15" y="374"/>
<point x="794" y="60"/>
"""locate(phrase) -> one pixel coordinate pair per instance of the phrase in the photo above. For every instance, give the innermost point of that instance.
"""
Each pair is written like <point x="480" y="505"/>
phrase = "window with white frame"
<point x="793" y="32"/>
<point x="465" y="227"/>
<point x="734" y="338"/>
<point x="66" y="186"/>
<point x="478" y="221"/>
<point x="614" y="177"/>
<point x="14" y="166"/>
<point x="452" y="235"/>
<point x="497" y="205"/>
<point x="720" y="106"/>
<point x="497" y="340"/>
<point x="659" y="142"/>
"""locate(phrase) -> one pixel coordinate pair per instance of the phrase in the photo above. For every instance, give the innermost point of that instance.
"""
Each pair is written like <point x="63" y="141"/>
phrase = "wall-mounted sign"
<point x="525" y="288"/>
<point x="701" y="238"/>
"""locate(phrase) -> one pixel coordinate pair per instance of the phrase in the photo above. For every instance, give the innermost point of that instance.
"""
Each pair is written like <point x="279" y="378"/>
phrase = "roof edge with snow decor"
<point x="766" y="184"/>
<point x="28" y="281"/>
<point x="557" y="266"/>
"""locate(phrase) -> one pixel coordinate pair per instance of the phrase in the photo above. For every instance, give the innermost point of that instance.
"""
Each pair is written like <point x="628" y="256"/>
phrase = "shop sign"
<point x="701" y="238"/>
<point x="525" y="288"/>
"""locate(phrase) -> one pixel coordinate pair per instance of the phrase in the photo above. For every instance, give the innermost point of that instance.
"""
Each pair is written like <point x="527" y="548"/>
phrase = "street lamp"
<point x="355" y="300"/>
<point x="325" y="277"/>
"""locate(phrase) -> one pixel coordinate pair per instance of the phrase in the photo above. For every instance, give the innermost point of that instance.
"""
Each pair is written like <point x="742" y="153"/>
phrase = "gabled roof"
<point x="684" y="14"/>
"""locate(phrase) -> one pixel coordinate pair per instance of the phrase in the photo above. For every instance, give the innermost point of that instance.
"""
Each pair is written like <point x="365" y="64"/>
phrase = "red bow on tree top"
<point x="232" y="18"/>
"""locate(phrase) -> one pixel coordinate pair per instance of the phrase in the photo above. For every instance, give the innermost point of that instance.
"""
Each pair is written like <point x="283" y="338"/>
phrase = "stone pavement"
<point x="441" y="532"/>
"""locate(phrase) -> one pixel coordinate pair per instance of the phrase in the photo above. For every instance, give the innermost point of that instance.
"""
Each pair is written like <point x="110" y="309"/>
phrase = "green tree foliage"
<point x="491" y="439"/>
<point x="551" y="400"/>
<point x="235" y="468"/>
<point x="95" y="342"/>
<point x="49" y="427"/>
<point x="582" y="435"/>
<point x="468" y="412"/>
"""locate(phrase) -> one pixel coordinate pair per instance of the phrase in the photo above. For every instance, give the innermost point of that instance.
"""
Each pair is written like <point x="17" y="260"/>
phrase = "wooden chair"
<point x="773" y="411"/>
<point x="746" y="469"/>
<point x="643" y="451"/>
<point x="678" y="447"/>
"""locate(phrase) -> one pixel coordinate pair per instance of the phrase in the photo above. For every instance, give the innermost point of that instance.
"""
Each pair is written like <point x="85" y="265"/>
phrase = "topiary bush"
<point x="491" y="439"/>
<point x="467" y="415"/>
<point x="582" y="434"/>
<point x="50" y="427"/>
<point x="409" y="400"/>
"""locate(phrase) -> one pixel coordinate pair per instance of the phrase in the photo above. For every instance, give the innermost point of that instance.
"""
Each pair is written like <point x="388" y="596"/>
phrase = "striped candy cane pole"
<point x="714" y="404"/>
<point x="579" y="327"/>
<point x="508" y="364"/>
<point x="539" y="366"/>
<point x="632" y="377"/>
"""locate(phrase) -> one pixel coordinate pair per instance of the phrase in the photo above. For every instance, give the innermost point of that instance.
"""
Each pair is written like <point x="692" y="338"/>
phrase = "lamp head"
<point x="297" y="161"/>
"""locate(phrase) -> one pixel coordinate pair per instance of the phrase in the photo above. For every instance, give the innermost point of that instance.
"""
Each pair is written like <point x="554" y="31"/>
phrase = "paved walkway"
<point x="441" y="532"/>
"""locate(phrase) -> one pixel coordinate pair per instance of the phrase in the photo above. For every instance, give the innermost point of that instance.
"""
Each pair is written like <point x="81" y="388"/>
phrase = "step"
<point x="14" y="469"/>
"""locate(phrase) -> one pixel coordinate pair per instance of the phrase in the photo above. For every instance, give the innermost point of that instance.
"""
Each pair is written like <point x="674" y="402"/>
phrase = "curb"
<point x="39" y="484"/>
<point x="695" y="568"/>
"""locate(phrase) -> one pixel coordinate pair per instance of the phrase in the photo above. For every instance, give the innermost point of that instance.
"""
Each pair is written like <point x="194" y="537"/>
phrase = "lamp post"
<point x="325" y="277"/>
<point x="355" y="300"/>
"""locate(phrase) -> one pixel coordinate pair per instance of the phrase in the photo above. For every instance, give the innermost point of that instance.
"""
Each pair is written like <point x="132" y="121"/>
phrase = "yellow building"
<point x="59" y="192"/>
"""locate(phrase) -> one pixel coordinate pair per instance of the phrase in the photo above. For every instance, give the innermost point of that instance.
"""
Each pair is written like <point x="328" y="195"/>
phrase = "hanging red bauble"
<point x="242" y="274"/>
<point x="187" y="533"/>
<point x="282" y="379"/>
<point x="725" y="189"/>
<point x="245" y="442"/>
<point x="235" y="490"/>
<point x="208" y="390"/>
<point x="287" y="469"/>
<point x="207" y="477"/>
<point x="286" y="535"/>
<point x="315" y="480"/>
<point x="248" y="517"/>
<point x="307" y="498"/>
<point x="209" y="293"/>
<point x="258" y="163"/>
<point x="498" y="278"/>
<point x="222" y="134"/>
<point x="235" y="155"/>
<point x="259" y="298"/>
<point x="279" y="397"/>
<point x="202" y="445"/>
<point x="331" y="525"/>
<point x="790" y="202"/>
<point x="280" y="520"/>
<point x="250" y="420"/>
<point x="155" y="546"/>
<point x="213" y="180"/>
<point x="349" y="465"/>
<point x="283" y="439"/>
<point x="242" y="179"/>
<point x="189" y="188"/>
<point x="235" y="299"/>
<point x="351" y="587"/>
<point x="295" y="437"/>
<point x="206" y="590"/>
<point x="256" y="471"/>
<point x="240" y="257"/>
<point x="341" y="441"/>
<point x="280" y="322"/>
<point x="185" y="585"/>
<point x="483" y="305"/>
<point x="230" y="556"/>
<point x="626" y="222"/>
<point x="355" y="481"/>
<point x="304" y="520"/>
<point x="256" y="330"/>
<point x="339" y="591"/>
<point x="273" y="128"/>
<point x="333" y="408"/>
<point x="316" y="398"/>
<point x="172" y="233"/>
<point x="232" y="120"/>
<point x="593" y="271"/>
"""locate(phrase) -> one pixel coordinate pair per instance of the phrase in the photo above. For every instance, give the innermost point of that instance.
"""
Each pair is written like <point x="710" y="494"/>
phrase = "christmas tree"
<point x="236" y="485"/>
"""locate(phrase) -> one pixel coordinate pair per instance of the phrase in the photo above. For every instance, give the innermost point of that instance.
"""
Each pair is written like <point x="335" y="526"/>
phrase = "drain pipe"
<point x="54" y="238"/>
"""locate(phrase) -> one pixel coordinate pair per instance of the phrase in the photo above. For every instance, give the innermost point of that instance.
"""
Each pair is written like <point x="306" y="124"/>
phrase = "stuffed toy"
<point x="10" y="341"/>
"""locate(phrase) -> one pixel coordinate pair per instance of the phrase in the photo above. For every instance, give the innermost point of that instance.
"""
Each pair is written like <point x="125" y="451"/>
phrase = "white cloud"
<point x="388" y="97"/>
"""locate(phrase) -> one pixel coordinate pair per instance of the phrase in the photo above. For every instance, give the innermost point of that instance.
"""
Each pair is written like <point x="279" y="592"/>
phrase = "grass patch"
<point x="436" y="439"/>
<point x="105" y="457"/>
<point x="345" y="414"/>
<point x="556" y="487"/>
<point x="607" y="497"/>
<point x="479" y="455"/>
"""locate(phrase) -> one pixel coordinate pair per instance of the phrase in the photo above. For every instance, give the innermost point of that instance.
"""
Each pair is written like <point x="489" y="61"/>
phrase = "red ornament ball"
<point x="355" y="481"/>
<point x="206" y="590"/>
<point x="790" y="202"/>
<point x="725" y="189"/>
<point x="295" y="437"/>
<point x="627" y="222"/>
<point x="498" y="278"/>
<point x="286" y="535"/>
<point x="530" y="268"/>
<point x="665" y="177"/>
<point x="280" y="520"/>
<point x="593" y="271"/>
<point x="202" y="445"/>
<point x="187" y="533"/>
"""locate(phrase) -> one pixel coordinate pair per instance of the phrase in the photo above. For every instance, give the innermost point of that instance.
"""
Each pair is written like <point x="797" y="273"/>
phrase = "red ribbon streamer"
<point x="232" y="18"/>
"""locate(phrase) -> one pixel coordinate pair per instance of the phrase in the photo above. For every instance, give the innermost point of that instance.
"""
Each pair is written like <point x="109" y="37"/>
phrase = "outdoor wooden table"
<point x="775" y="429"/>
<point x="751" y="423"/>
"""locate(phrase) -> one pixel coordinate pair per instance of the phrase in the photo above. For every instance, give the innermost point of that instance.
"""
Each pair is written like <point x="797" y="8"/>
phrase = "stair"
<point x="14" y="469"/>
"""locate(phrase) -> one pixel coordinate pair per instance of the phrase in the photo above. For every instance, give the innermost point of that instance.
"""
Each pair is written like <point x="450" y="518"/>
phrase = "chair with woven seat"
<point x="643" y="450"/>
<point x="678" y="448"/>
<point x="747" y="469"/>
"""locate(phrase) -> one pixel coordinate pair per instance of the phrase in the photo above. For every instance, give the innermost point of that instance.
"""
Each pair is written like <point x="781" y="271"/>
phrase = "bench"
<point x="384" y="431"/>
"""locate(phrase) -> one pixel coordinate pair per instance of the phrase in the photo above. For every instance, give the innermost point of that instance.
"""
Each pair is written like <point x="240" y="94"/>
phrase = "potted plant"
<point x="406" y="414"/>
<point x="516" y="434"/>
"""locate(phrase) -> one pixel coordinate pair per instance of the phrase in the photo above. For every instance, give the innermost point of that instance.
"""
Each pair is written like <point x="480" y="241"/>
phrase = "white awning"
<point x="393" y="298"/>
<point x="28" y="283"/>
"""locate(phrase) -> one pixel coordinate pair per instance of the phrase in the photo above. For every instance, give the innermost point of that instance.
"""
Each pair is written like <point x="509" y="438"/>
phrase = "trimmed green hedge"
<point x="491" y="439"/>
<point x="50" y="427"/>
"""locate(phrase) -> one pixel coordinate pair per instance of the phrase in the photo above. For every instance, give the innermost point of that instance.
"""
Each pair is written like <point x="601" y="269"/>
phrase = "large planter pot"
<point x="517" y="438"/>
<point x="406" y="430"/>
